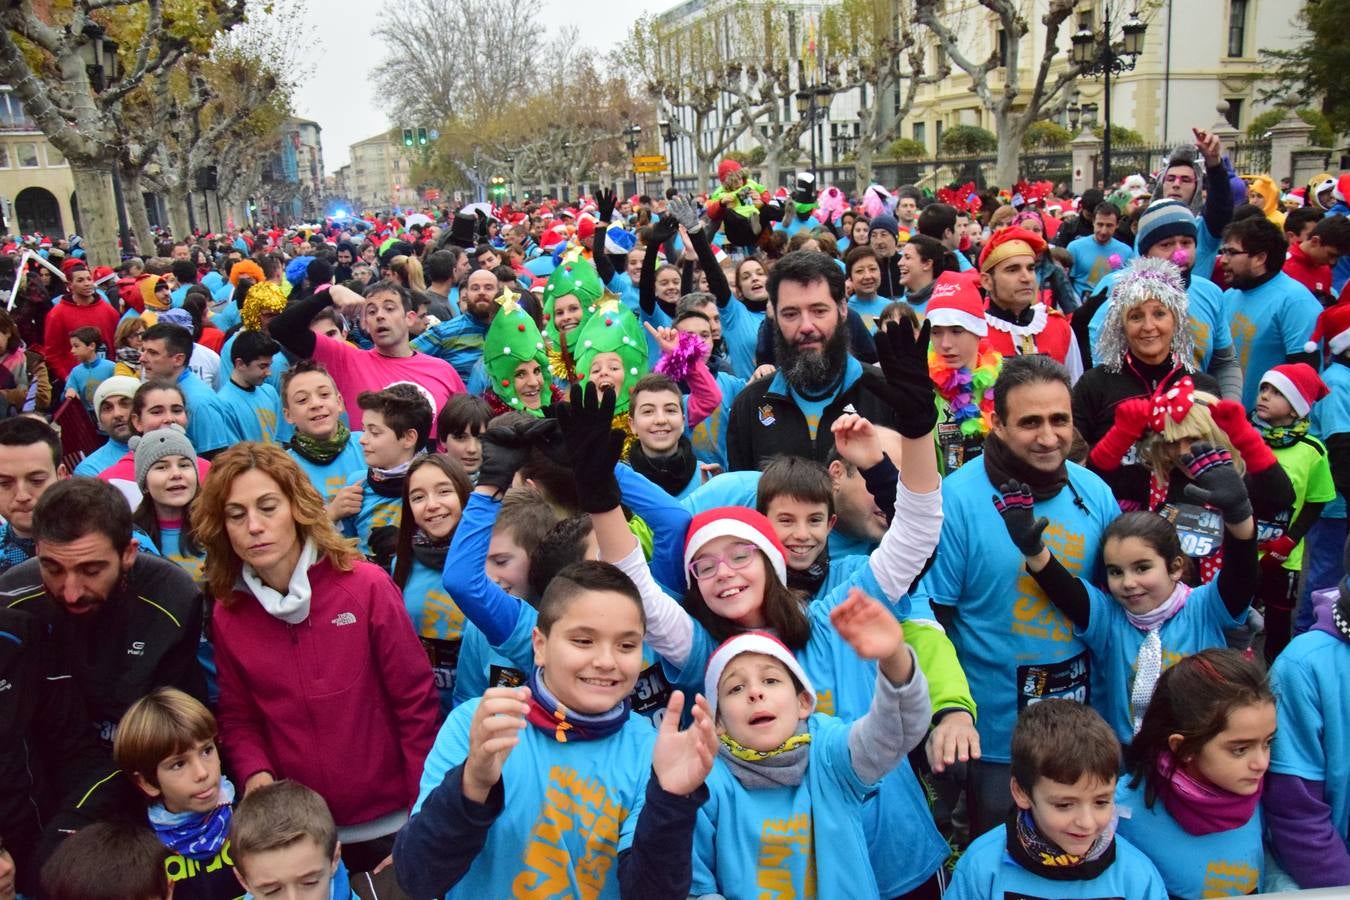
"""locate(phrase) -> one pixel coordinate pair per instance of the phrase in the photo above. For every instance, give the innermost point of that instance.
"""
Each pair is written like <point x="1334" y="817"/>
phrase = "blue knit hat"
<point x="886" y="222"/>
<point x="1161" y="220"/>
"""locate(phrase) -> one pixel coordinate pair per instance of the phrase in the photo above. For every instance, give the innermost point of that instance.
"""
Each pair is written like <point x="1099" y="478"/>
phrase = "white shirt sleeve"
<point x="670" y="631"/>
<point x="907" y="544"/>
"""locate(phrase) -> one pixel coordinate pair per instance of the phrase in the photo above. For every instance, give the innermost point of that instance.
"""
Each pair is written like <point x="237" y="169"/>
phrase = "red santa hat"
<point x="726" y="167"/>
<point x="760" y="642"/>
<point x="1300" y="385"/>
<point x="1342" y="189"/>
<point x="734" y="521"/>
<point x="586" y="229"/>
<point x="1333" y="326"/>
<point x="955" y="302"/>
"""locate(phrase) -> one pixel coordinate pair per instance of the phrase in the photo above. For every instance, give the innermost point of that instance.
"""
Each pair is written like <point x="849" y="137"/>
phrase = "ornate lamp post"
<point x="1099" y="53"/>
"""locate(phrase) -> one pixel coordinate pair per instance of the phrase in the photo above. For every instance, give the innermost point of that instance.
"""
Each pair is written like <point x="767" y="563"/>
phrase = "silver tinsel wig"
<point x="1146" y="279"/>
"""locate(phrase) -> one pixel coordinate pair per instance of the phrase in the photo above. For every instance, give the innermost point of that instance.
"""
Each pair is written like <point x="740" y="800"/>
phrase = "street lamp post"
<point x="668" y="137"/>
<point x="813" y="105"/>
<point x="1097" y="53"/>
<point x="632" y="135"/>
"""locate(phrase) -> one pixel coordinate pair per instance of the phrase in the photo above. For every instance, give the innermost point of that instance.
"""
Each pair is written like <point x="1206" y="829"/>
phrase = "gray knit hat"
<point x="153" y="446"/>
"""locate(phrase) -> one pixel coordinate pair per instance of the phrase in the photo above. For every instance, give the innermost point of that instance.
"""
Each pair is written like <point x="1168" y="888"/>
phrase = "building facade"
<point x="37" y="191"/>
<point x="380" y="176"/>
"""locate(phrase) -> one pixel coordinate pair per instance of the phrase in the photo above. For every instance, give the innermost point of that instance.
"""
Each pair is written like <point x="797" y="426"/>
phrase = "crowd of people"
<point x="740" y="545"/>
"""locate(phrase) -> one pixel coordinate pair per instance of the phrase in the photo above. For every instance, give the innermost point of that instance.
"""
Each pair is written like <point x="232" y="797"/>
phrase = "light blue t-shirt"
<point x="1205" y="308"/>
<point x="255" y="415"/>
<point x="1222" y="864"/>
<point x="1311" y="681"/>
<point x="1115" y="644"/>
<point x="1015" y="646"/>
<point x="376" y="512"/>
<point x="869" y="310"/>
<point x="209" y="422"/>
<point x="740" y="333"/>
<point x="101" y="458"/>
<point x="439" y="624"/>
<point x="1269" y="323"/>
<point x="1092" y="261"/>
<point x="570" y="809"/>
<point x="795" y="841"/>
<point x="1330" y="415"/>
<point x="279" y="363"/>
<point x="480" y="667"/>
<point x="331" y="478"/>
<point x="85" y="378"/>
<point x="170" y="547"/>
<point x="986" y="872"/>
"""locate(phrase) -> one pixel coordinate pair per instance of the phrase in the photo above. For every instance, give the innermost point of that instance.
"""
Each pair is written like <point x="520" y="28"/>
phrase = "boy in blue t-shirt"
<point x="326" y="449"/>
<point x="555" y="789"/>
<point x="91" y="370"/>
<point x="1092" y="253"/>
<point x="253" y="406"/>
<point x="397" y="423"/>
<point x="285" y="843"/>
<point x="1060" y="840"/>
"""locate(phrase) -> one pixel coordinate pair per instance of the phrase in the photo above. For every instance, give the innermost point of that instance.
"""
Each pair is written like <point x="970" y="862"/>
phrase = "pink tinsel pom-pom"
<point x="1181" y="258"/>
<point x="688" y="350"/>
<point x="1114" y="260"/>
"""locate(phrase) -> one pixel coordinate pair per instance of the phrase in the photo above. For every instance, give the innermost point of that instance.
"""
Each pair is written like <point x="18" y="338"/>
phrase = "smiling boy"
<point x="398" y="421"/>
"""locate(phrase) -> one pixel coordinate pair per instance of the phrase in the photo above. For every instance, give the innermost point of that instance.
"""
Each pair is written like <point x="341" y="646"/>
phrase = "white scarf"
<point x="294" y="607"/>
<point x="1148" y="664"/>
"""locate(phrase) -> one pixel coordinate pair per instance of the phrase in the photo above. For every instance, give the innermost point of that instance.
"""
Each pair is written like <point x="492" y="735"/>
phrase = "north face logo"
<point x="345" y="619"/>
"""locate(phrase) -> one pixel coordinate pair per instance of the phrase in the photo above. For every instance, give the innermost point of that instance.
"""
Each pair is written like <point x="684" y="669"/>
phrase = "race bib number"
<point x="652" y="691"/>
<point x="1199" y="529"/>
<point x="505" y="676"/>
<point x="444" y="657"/>
<point x="1269" y="531"/>
<point x="1068" y="680"/>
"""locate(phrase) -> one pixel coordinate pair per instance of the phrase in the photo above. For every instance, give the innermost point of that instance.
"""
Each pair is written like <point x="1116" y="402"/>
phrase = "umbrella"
<point x="417" y="219"/>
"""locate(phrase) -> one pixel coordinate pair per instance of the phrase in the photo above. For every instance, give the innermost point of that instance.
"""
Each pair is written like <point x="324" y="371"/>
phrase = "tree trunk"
<point x="705" y="171"/>
<point x="771" y="168"/>
<point x="178" y="216"/>
<point x="98" y="213"/>
<point x="1011" y="130"/>
<point x="862" y="168"/>
<point x="134" y="197"/>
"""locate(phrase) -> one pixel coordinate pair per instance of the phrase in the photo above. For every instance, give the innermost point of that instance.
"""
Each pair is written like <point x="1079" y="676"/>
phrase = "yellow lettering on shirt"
<point x="1244" y="332"/>
<point x="179" y="867"/>
<point x="825" y="702"/>
<point x="1033" y="613"/>
<point x="1200" y="332"/>
<point x="780" y="840"/>
<point x="1224" y="879"/>
<point x="441" y="619"/>
<point x="572" y="804"/>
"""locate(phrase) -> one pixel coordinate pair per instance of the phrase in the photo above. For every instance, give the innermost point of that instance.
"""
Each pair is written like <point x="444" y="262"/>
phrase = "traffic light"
<point x="421" y="137"/>
<point x="498" y="186"/>
<point x="407" y="137"/>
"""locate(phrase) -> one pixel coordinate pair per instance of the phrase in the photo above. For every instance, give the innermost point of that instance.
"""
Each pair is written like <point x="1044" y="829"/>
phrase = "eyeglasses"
<point x="1232" y="251"/>
<point x="736" y="558"/>
<point x="1179" y="179"/>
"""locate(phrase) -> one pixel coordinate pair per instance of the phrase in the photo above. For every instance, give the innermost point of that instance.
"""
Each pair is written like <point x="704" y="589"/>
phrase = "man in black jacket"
<point x="817" y="379"/>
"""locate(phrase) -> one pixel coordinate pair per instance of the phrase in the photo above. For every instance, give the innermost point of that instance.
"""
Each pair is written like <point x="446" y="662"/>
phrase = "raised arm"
<point x="291" y="327"/>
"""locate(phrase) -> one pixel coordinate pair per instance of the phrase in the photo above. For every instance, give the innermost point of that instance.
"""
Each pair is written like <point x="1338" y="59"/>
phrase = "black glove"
<point x="663" y="229"/>
<point x="907" y="387"/>
<point x="595" y="446"/>
<point x="1017" y="506"/>
<point x="604" y="204"/>
<point x="1216" y="482"/>
<point x="507" y="446"/>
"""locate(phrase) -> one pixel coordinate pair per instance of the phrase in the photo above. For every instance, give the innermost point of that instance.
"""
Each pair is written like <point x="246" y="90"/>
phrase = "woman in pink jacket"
<point x="322" y="678"/>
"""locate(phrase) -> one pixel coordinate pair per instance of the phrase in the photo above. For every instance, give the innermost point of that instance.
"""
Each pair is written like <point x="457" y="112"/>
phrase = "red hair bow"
<point x="1171" y="402"/>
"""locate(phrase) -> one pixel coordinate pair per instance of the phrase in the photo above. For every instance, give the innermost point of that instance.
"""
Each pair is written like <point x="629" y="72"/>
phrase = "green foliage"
<point x="1322" y="135"/>
<point x="1121" y="136"/>
<point x="906" y="148"/>
<point x="1045" y="134"/>
<point x="748" y="158"/>
<point x="1317" y="68"/>
<point x="966" y="139"/>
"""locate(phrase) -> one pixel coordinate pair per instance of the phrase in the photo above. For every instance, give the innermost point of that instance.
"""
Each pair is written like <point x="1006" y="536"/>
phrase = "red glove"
<point x="1231" y="417"/>
<point x="1276" y="552"/>
<point x="1132" y="417"/>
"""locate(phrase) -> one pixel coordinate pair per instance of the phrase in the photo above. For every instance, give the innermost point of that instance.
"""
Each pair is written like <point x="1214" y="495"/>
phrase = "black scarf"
<point x="1020" y="318"/>
<point x="670" y="473"/>
<point x="429" y="551"/>
<point x="810" y="579"/>
<point x="386" y="485"/>
<point x="1003" y="465"/>
<point x="1038" y="855"/>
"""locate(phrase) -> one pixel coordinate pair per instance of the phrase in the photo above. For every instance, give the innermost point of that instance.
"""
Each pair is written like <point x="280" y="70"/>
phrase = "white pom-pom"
<point x="1310" y="347"/>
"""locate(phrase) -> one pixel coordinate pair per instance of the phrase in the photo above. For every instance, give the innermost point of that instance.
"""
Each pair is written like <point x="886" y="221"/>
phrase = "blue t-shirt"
<point x="439" y="623"/>
<point x="1115" y="644"/>
<point x="85" y="378"/>
<point x="1014" y="645"/>
<point x="570" y="809"/>
<point x="209" y="422"/>
<point x="101" y="458"/>
<point x="459" y="342"/>
<point x="480" y="667"/>
<point x="869" y="310"/>
<point x="1222" y="864"/>
<point x="796" y="841"/>
<point x="255" y="414"/>
<point x="170" y="548"/>
<point x="279" y="363"/>
<point x="1269" y="323"/>
<point x="1330" y="416"/>
<point x="740" y="332"/>
<point x="986" y="872"/>
<point x="376" y="512"/>
<point x="1311" y="681"/>
<point x="1092" y="261"/>
<point x="709" y="437"/>
<point x="337" y="474"/>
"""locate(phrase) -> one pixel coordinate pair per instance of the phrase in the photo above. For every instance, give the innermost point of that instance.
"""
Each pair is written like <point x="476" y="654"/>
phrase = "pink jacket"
<point x="344" y="702"/>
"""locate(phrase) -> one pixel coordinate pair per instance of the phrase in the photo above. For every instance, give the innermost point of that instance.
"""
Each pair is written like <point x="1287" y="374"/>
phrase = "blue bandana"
<point x="191" y="834"/>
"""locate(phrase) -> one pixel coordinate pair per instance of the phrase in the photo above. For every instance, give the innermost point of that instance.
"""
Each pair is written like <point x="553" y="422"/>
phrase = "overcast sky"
<point x="338" y="92"/>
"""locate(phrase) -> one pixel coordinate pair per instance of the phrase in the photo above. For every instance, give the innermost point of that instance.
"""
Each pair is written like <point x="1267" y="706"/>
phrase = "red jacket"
<point x="1308" y="273"/>
<point x="64" y="318"/>
<point x="344" y="702"/>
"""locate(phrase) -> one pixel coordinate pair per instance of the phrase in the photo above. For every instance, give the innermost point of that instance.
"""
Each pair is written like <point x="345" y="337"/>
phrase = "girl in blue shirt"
<point x="434" y="495"/>
<point x="166" y="472"/>
<point x="1195" y="771"/>
<point x="1152" y="618"/>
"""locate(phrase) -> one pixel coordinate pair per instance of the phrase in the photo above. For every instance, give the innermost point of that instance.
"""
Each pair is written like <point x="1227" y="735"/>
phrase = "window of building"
<point x="55" y="157"/>
<point x="28" y="156"/>
<point x="1235" y="112"/>
<point x="1237" y="27"/>
<point x="921" y="132"/>
<point x="4" y="156"/>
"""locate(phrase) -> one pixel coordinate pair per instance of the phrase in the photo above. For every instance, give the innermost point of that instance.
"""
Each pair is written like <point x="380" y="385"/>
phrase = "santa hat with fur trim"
<point x="956" y="302"/>
<point x="1342" y="189"/>
<point x="1333" y="325"/>
<point x="760" y="642"/>
<point x="734" y="521"/>
<point x="1299" y="383"/>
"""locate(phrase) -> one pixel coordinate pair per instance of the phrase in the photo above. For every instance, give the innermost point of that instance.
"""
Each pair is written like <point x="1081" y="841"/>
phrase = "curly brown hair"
<point x="223" y="565"/>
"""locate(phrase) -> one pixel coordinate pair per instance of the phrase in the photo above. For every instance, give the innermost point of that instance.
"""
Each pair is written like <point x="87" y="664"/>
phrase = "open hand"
<point x="857" y="441"/>
<point x="604" y="204"/>
<point x="684" y="212"/>
<point x="493" y="734"/>
<point x="952" y="740"/>
<point x="681" y="760"/>
<point x="594" y="445"/>
<point x="870" y="628"/>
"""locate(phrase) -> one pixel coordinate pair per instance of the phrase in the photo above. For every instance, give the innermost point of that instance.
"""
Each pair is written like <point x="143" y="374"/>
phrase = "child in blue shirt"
<point x="92" y="368"/>
<point x="1195" y="771"/>
<point x="397" y="423"/>
<point x="785" y="797"/>
<point x="554" y="788"/>
<point x="1152" y="618"/>
<point x="285" y="843"/>
<point x="1060" y="840"/>
<point x="166" y="473"/>
<point x="434" y="495"/>
<point x="327" y="451"/>
<point x="252" y="404"/>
